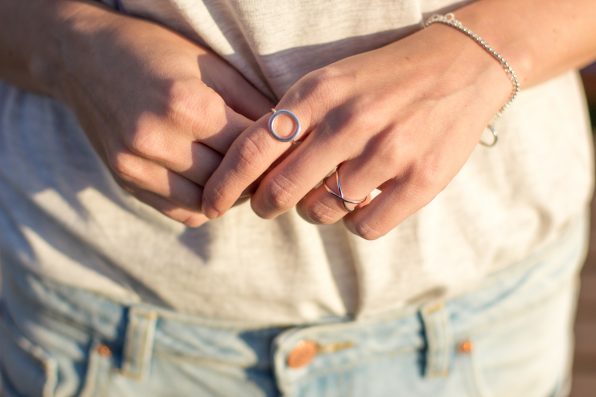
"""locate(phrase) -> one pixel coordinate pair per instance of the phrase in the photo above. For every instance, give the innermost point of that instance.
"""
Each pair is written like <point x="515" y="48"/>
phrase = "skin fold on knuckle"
<point x="183" y="99"/>
<point x="429" y="176"/>
<point x="247" y="155"/>
<point x="219" y="194"/>
<point x="324" y="81"/>
<point x="276" y="195"/>
<point x="319" y="213"/>
<point x="125" y="167"/>
<point x="146" y="141"/>
<point x="204" y="114"/>
<point x="313" y="93"/>
<point x="385" y="149"/>
<point x="213" y="203"/>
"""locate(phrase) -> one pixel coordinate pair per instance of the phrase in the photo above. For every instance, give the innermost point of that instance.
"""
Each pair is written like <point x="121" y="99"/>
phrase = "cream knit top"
<point x="63" y="216"/>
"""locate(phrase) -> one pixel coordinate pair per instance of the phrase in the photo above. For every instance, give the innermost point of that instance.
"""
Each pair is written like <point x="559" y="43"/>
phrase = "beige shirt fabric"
<point x="62" y="215"/>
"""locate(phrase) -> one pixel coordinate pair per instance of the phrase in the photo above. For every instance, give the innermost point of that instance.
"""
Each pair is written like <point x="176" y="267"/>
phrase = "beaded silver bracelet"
<point x="450" y="20"/>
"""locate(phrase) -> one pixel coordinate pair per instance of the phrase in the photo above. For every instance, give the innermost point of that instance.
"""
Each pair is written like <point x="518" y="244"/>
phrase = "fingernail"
<point x="209" y="211"/>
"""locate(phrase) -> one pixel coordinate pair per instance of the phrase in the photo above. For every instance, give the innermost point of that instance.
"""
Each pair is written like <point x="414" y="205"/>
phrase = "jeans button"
<point x="104" y="351"/>
<point x="302" y="354"/>
<point x="465" y="347"/>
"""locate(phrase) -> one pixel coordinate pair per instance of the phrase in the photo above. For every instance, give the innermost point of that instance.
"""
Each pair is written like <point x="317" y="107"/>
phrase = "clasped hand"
<point x="400" y="119"/>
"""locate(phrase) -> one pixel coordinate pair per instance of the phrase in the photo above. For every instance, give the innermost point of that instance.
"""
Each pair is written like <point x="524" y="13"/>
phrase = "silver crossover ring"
<point x="284" y="138"/>
<point x="349" y="204"/>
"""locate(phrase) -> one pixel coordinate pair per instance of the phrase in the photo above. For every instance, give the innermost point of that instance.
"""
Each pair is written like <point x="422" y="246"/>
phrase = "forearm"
<point x="33" y="38"/>
<point x="539" y="38"/>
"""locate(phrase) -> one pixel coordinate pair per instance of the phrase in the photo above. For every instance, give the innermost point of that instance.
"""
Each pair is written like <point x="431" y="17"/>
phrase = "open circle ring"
<point x="284" y="138"/>
<point x="349" y="204"/>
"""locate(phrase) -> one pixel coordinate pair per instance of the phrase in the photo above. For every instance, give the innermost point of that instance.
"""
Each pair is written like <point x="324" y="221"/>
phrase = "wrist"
<point x="453" y="65"/>
<point x="512" y="48"/>
<point x="451" y="21"/>
<point x="69" y="41"/>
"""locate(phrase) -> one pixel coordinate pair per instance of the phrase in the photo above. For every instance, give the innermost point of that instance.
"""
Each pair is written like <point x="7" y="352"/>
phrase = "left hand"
<point x="403" y="119"/>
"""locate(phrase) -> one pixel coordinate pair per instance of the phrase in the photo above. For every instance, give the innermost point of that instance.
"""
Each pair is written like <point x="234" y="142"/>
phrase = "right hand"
<point x="159" y="109"/>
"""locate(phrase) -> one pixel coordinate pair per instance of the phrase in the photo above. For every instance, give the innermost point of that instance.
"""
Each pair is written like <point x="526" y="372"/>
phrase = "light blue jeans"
<point x="510" y="337"/>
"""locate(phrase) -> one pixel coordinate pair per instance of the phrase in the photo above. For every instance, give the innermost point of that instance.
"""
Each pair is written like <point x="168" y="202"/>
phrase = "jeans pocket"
<point x="25" y="368"/>
<point x="97" y="376"/>
<point x="527" y="353"/>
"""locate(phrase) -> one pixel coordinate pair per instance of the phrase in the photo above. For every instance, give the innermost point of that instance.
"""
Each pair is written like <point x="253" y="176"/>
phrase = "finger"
<point x="237" y="92"/>
<point x="300" y="172"/>
<point x="169" y="209"/>
<point x="245" y="99"/>
<point x="399" y="198"/>
<point x="358" y="178"/>
<point x="336" y="140"/>
<point x="196" y="163"/>
<point x="217" y="126"/>
<point x="193" y="160"/>
<point x="143" y="174"/>
<point x="248" y="158"/>
<point x="200" y="114"/>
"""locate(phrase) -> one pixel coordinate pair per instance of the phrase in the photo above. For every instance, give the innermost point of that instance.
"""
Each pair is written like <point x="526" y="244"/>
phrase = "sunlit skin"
<point x="160" y="115"/>
<point x="403" y="118"/>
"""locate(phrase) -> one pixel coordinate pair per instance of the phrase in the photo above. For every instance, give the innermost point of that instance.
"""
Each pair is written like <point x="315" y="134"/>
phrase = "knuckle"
<point x="323" y="85"/>
<point x="248" y="151"/>
<point x="208" y="111"/>
<point x="125" y="166"/>
<point x="213" y="202"/>
<point x="321" y="213"/>
<point x="278" y="193"/>
<point x="323" y="78"/>
<point x="429" y="176"/>
<point x="210" y="104"/>
<point x="316" y="87"/>
<point x="387" y="152"/>
<point x="145" y="142"/>
<point x="193" y="105"/>
<point x="315" y="81"/>
<point x="212" y="209"/>
<point x="426" y="178"/>
<point x="180" y="96"/>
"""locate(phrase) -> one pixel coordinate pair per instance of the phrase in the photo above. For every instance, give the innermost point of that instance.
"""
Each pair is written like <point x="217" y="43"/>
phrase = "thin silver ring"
<point x="349" y="204"/>
<point x="295" y="132"/>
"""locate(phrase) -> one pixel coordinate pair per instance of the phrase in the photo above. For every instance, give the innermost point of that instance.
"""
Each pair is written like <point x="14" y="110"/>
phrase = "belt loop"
<point x="138" y="344"/>
<point x="439" y="340"/>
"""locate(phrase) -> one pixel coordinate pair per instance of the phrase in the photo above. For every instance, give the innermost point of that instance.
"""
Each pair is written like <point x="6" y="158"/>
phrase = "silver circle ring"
<point x="284" y="138"/>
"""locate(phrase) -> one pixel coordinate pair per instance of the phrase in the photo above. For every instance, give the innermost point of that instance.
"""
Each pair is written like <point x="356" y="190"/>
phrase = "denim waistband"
<point x="135" y="333"/>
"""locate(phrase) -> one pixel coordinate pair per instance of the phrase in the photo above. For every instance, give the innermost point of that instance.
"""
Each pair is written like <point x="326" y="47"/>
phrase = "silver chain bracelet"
<point x="450" y="20"/>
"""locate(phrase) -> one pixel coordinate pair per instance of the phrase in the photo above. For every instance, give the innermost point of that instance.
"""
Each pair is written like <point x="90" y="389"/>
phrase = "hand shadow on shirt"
<point x="63" y="166"/>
